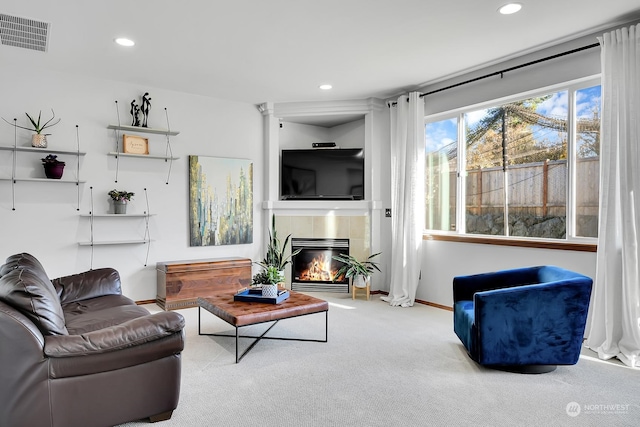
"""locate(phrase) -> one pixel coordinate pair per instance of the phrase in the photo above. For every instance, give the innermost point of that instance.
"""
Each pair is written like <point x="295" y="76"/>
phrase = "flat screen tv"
<point x="322" y="174"/>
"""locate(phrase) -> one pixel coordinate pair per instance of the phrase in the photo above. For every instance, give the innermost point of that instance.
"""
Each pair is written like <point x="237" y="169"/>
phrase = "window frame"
<point x="571" y="242"/>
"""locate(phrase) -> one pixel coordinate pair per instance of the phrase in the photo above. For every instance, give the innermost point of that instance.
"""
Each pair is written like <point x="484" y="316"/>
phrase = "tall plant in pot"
<point x="120" y="200"/>
<point x="38" y="139"/>
<point x="359" y="271"/>
<point x="276" y="251"/>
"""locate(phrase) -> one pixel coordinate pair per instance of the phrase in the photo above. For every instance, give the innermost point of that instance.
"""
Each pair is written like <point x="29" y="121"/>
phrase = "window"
<point x="530" y="166"/>
<point x="441" y="170"/>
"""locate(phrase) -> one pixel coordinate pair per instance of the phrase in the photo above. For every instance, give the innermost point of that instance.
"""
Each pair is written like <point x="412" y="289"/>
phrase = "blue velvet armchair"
<point x="526" y="320"/>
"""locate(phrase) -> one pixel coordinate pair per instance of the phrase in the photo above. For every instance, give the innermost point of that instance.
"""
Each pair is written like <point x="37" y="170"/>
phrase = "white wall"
<point x="301" y="136"/>
<point x="46" y="223"/>
<point x="348" y="135"/>
<point x="442" y="261"/>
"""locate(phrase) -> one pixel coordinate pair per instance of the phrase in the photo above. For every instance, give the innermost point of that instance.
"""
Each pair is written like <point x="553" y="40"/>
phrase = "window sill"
<point x="524" y="243"/>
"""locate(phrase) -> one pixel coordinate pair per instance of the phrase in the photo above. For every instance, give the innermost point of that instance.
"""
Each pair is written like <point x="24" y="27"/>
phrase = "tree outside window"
<point x="517" y="167"/>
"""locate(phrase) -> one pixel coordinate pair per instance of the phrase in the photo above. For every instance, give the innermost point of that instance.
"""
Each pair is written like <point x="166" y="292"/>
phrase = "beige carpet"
<point x="384" y="366"/>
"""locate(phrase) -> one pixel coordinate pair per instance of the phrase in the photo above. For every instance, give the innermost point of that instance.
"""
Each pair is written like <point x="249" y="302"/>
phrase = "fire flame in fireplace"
<point x="319" y="269"/>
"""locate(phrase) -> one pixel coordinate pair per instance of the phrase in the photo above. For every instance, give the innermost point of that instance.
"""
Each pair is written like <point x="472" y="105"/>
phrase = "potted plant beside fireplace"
<point x="359" y="271"/>
<point x="275" y="256"/>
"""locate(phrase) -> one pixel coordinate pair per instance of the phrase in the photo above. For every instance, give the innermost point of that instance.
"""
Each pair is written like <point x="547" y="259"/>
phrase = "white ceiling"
<point x="281" y="50"/>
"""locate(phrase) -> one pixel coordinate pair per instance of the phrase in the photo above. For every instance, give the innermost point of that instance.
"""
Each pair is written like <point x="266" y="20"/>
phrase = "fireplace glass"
<point x="314" y="268"/>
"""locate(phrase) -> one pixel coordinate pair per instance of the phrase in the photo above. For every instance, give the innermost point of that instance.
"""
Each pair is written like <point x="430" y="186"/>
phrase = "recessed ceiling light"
<point x="510" y="8"/>
<point x="325" y="87"/>
<point x="124" y="42"/>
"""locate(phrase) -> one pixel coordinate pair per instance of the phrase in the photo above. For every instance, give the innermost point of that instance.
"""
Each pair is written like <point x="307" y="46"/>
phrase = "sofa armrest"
<point x="464" y="287"/>
<point x="89" y="284"/>
<point x="131" y="333"/>
<point x="24" y="387"/>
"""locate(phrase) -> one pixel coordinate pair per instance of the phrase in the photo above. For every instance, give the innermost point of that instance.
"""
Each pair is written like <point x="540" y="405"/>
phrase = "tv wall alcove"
<point x="350" y="124"/>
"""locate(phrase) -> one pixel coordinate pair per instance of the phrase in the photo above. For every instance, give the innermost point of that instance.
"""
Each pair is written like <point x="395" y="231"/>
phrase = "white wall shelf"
<point x="55" y="181"/>
<point x="141" y="156"/>
<point x="30" y="152"/>
<point x="110" y="215"/>
<point x="42" y="150"/>
<point x="118" y="152"/>
<point x="143" y="130"/>
<point x="114" y="242"/>
<point x="105" y="217"/>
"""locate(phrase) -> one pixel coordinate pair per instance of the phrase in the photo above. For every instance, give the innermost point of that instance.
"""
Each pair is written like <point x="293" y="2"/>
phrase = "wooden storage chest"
<point x="180" y="283"/>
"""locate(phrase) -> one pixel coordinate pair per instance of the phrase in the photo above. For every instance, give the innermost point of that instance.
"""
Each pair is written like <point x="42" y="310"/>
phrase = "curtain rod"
<point x="501" y="72"/>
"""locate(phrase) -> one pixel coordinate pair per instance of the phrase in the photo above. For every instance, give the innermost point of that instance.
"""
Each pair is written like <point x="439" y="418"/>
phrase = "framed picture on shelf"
<point x="133" y="144"/>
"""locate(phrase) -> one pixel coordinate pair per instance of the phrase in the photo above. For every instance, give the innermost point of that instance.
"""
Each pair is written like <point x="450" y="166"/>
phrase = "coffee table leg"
<point x="262" y="336"/>
<point x="326" y="326"/>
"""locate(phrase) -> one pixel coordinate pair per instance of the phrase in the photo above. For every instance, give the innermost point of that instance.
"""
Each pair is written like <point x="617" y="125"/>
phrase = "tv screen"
<point x="328" y="174"/>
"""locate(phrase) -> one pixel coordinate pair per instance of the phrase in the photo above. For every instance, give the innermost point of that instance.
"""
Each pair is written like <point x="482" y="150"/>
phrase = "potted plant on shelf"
<point x="53" y="168"/>
<point x="275" y="256"/>
<point x="120" y="200"/>
<point x="39" y="139"/>
<point x="268" y="279"/>
<point x="359" y="271"/>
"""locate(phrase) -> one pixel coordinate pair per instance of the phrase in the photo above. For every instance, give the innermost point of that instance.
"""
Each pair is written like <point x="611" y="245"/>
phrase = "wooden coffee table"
<point x="240" y="313"/>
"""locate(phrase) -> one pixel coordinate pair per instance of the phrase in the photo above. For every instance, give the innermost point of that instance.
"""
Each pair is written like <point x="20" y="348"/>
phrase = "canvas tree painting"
<point x="220" y="201"/>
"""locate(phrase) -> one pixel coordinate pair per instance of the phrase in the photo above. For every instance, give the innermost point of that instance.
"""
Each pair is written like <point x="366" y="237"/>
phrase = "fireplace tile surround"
<point x="356" y="228"/>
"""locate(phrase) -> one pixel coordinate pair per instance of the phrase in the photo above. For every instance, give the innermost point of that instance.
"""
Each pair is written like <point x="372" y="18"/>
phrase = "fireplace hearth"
<point x="314" y="268"/>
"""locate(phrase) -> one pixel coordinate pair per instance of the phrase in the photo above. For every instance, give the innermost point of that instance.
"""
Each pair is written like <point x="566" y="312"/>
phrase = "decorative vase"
<point x="360" y="281"/>
<point x="39" y="140"/>
<point x="53" y="170"/>
<point x="269" y="290"/>
<point x="119" y="206"/>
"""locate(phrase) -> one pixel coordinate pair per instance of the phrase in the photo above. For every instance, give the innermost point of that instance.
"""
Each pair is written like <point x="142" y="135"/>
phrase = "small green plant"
<point x="51" y="159"/>
<point x="352" y="267"/>
<point x="269" y="275"/>
<point x="120" y="196"/>
<point x="275" y="252"/>
<point x="36" y="126"/>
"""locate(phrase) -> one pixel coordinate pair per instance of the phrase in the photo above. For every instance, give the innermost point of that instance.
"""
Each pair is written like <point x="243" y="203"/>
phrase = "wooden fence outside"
<point x="537" y="189"/>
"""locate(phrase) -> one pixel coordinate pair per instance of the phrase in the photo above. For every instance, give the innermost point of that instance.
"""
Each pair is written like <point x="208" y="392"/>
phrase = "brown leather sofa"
<point x="75" y="352"/>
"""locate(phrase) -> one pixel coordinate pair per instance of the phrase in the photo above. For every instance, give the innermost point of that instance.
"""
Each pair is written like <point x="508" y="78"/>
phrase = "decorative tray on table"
<point x="255" y="295"/>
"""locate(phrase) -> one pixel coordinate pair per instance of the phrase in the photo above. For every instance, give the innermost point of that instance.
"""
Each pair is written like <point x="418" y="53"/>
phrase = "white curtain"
<point x="407" y="198"/>
<point x="614" y="323"/>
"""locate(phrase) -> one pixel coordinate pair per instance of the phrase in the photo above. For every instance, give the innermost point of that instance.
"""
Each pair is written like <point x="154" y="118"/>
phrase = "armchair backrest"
<point x="535" y="323"/>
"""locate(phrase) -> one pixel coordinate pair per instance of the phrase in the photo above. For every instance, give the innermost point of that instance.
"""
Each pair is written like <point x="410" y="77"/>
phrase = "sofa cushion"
<point x="463" y="318"/>
<point x="97" y="313"/>
<point x="88" y="284"/>
<point x="32" y="294"/>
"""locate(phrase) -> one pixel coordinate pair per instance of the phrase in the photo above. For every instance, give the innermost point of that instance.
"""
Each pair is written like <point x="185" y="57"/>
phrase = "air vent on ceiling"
<point x="24" y="33"/>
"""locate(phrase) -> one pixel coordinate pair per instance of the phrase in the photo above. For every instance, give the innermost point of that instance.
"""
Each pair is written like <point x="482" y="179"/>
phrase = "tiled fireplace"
<point x="314" y="269"/>
<point x="353" y="229"/>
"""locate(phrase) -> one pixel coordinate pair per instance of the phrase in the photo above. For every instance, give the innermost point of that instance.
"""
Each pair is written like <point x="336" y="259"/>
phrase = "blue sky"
<point x="443" y="133"/>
